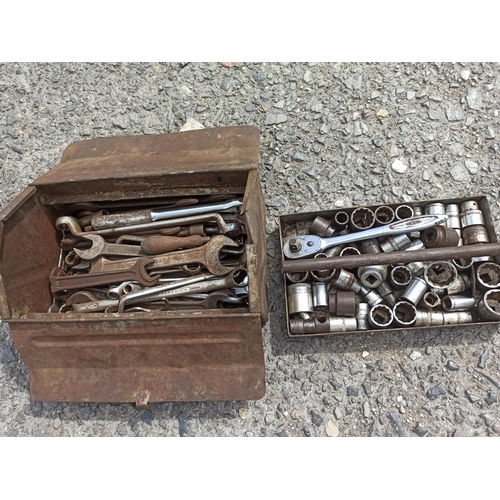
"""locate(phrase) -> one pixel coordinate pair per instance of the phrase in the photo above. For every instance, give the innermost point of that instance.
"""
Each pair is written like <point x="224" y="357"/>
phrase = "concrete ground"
<point x="332" y="135"/>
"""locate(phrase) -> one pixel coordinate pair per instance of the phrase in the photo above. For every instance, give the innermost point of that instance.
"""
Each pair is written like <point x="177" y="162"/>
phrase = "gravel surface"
<point x="332" y="135"/>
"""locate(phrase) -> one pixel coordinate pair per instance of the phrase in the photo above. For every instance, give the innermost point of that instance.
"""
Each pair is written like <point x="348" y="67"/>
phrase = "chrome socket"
<point x="334" y="251"/>
<point x="380" y="316"/>
<point x="321" y="227"/>
<point x="344" y="280"/>
<point x="428" y="318"/>
<point x="340" y="220"/>
<point x="395" y="243"/>
<point x="369" y="246"/>
<point x="414" y="292"/>
<point x="370" y="296"/>
<point x="405" y="314"/>
<point x="400" y="276"/>
<point x="431" y="300"/>
<point x="458" y="303"/>
<point x="488" y="275"/>
<point x="342" y="303"/>
<point x="387" y="293"/>
<point x="489" y="306"/>
<point x="349" y="250"/>
<point x="403" y="212"/>
<point x="435" y="209"/>
<point x="469" y="205"/>
<point x="462" y="264"/>
<point x="440" y="274"/>
<point x="460" y="285"/>
<point x="417" y="211"/>
<point x="457" y="318"/>
<point x="299" y="298"/>
<point x="440" y="236"/>
<point x="384" y="215"/>
<point x="453" y="222"/>
<point x="320" y="295"/>
<point x="472" y="218"/>
<point x="297" y="277"/>
<point x="362" y="316"/>
<point x="361" y="219"/>
<point x="372" y="276"/>
<point x="338" y="325"/>
<point x="416" y="268"/>
<point x="323" y="274"/>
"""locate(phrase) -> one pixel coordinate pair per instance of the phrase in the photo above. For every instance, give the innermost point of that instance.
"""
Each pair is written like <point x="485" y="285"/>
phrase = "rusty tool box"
<point x="366" y="269"/>
<point x="173" y="355"/>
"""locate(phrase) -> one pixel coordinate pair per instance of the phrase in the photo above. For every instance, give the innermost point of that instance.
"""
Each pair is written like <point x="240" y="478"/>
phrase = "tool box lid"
<point x="215" y="160"/>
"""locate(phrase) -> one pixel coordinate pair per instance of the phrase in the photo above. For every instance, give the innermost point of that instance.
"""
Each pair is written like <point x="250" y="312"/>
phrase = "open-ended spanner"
<point x="298" y="247"/>
<point x="229" y="228"/>
<point x="207" y="254"/>
<point x="59" y="281"/>
<point x="234" y="279"/>
<point x="100" y="247"/>
<point x="211" y="301"/>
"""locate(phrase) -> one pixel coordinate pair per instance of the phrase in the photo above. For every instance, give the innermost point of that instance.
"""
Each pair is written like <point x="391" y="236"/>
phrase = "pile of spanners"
<point x="151" y="255"/>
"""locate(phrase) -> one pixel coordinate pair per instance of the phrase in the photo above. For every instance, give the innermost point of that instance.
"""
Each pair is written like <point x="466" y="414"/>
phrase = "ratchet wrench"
<point x="298" y="247"/>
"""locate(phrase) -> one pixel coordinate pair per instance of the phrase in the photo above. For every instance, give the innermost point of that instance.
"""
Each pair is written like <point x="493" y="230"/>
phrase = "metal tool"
<point x="207" y="254"/>
<point x="59" y="281"/>
<point x="234" y="279"/>
<point x="298" y="247"/>
<point x="392" y="258"/>
<point x="229" y="228"/>
<point x="154" y="245"/>
<point x="100" y="247"/>
<point x="148" y="216"/>
<point x="210" y="301"/>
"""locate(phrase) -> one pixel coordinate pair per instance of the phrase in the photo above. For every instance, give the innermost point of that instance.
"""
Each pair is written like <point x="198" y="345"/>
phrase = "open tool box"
<point x="172" y="355"/>
<point x="375" y="280"/>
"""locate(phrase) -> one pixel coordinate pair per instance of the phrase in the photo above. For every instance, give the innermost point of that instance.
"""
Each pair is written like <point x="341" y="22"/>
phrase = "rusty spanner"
<point x="59" y="281"/>
<point x="207" y="254"/>
<point x="211" y="301"/>
<point x="100" y="247"/>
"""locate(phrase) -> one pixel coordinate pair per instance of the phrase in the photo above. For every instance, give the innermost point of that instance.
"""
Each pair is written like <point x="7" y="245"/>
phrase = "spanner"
<point x="234" y="279"/>
<point x="207" y="254"/>
<point x="100" y="247"/>
<point x="298" y="247"/>
<point x="59" y="281"/>
<point x="225" y="227"/>
<point x="211" y="301"/>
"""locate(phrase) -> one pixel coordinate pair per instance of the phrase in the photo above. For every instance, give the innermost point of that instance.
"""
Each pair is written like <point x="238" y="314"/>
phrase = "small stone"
<point x="433" y="114"/>
<point x="307" y="76"/>
<point x="279" y="104"/>
<point x="191" y="124"/>
<point x="306" y="431"/>
<point x="120" y="123"/>
<point x="377" y="142"/>
<point x="427" y="137"/>
<point x="298" y="156"/>
<point x="415" y="355"/>
<point x="6" y="354"/>
<point x="458" y="173"/>
<point x="244" y="413"/>
<point x="316" y="108"/>
<point x="474" y="99"/>
<point x="366" y="409"/>
<point x="18" y="150"/>
<point x="382" y="113"/>
<point x="297" y="414"/>
<point x="331" y="429"/>
<point x="399" y="167"/>
<point x="352" y="391"/>
<point x="464" y="74"/>
<point x="472" y="166"/>
<point x="420" y="430"/>
<point x="452" y="366"/>
<point x="272" y="119"/>
<point x="284" y="433"/>
<point x="394" y="418"/>
<point x="250" y="107"/>
<point x="436" y="391"/>
<point x="454" y="112"/>
<point x="269" y="418"/>
<point x="410" y="95"/>
<point x="496" y="427"/>
<point x="483" y="359"/>
<point x="184" y="426"/>
<point x="426" y="175"/>
<point x="492" y="398"/>
<point x="122" y="429"/>
<point x="57" y="423"/>
<point x="316" y="418"/>
<point x="472" y="397"/>
<point x="489" y="133"/>
<point x="402" y="410"/>
<point x="299" y="374"/>
<point x="359" y="182"/>
<point x="374" y="94"/>
<point x="488" y="418"/>
<point x="339" y="203"/>
<point x="337" y="413"/>
<point x="226" y="84"/>
<point x="365" y="354"/>
<point x="147" y="417"/>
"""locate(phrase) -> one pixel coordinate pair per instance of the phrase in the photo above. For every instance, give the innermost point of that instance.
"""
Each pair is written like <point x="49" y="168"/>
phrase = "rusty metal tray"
<point x="290" y="222"/>
<point x="168" y="356"/>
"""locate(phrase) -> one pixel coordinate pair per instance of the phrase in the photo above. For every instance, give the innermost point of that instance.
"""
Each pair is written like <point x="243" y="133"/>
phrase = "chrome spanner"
<point x="298" y="247"/>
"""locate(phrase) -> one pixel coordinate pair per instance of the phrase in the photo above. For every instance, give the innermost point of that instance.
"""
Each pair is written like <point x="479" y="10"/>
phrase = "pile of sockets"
<point x="416" y="294"/>
<point x="101" y="241"/>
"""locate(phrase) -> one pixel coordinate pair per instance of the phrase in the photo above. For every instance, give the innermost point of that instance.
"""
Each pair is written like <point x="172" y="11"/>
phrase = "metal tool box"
<point x="298" y="224"/>
<point x="141" y="358"/>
